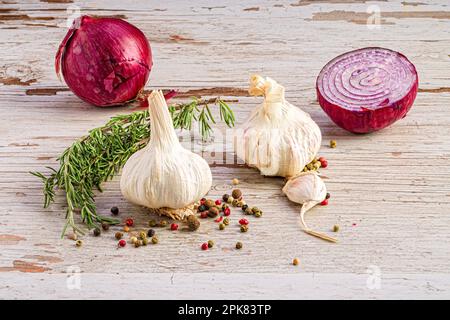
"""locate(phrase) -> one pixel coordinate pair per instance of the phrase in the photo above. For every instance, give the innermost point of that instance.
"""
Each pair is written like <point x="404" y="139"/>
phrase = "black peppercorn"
<point x="202" y="208"/>
<point x="193" y="223"/>
<point x="328" y="195"/>
<point x="115" y="211"/>
<point x="105" y="226"/>
<point x="97" y="232"/>
<point x="244" y="207"/>
<point x="150" y="233"/>
<point x="236" y="194"/>
<point x="225" y="197"/>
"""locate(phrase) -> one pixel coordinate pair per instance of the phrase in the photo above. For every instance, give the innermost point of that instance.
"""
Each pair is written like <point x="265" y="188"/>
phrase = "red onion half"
<point x="367" y="89"/>
<point x="104" y="61"/>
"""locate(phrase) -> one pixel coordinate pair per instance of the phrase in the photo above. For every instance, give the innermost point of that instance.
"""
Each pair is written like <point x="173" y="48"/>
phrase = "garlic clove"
<point x="307" y="189"/>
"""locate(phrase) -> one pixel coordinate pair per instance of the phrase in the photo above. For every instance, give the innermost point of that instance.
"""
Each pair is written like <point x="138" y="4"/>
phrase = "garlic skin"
<point x="163" y="174"/>
<point x="309" y="190"/>
<point x="278" y="138"/>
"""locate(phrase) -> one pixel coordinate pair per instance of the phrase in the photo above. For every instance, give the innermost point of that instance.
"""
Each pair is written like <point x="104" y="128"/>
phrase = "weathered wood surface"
<point x="393" y="185"/>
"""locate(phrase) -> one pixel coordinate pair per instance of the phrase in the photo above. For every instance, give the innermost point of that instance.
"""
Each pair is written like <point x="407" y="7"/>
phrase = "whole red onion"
<point x="367" y="89"/>
<point x="104" y="61"/>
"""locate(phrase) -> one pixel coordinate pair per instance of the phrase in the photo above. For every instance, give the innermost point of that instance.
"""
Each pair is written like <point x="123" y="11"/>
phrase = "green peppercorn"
<point x="258" y="214"/>
<point x="145" y="241"/>
<point x="210" y="203"/>
<point x="336" y="228"/>
<point x="193" y="223"/>
<point x="238" y="245"/>
<point x="119" y="235"/>
<point x="163" y="223"/>
<point x="142" y="235"/>
<point x="235" y="202"/>
<point x="317" y="165"/>
<point x="221" y="226"/>
<point x="79" y="243"/>
<point x="230" y="200"/>
<point x="155" y="240"/>
<point x="224" y="206"/>
<point x="97" y="232"/>
<point x="138" y="243"/>
<point x="152" y="223"/>
<point x="244" y="207"/>
<point x="133" y="240"/>
<point x="225" y="197"/>
<point x="210" y="243"/>
<point x="240" y="203"/>
<point x="105" y="226"/>
<point x="150" y="233"/>
<point x="333" y="144"/>
<point x="236" y="194"/>
<point x="244" y="228"/>
<point x="226" y="221"/>
<point x="213" y="212"/>
<point x="255" y="209"/>
<point x="248" y="210"/>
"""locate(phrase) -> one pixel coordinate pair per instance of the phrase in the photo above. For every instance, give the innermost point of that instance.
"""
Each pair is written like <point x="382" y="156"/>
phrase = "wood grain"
<point x="390" y="190"/>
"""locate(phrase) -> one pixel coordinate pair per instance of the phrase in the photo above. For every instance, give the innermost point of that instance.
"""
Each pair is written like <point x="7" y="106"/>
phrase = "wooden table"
<point x="390" y="190"/>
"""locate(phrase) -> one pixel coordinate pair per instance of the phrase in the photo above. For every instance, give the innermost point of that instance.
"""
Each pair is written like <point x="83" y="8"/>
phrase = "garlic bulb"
<point x="278" y="138"/>
<point x="163" y="174"/>
<point x="307" y="189"/>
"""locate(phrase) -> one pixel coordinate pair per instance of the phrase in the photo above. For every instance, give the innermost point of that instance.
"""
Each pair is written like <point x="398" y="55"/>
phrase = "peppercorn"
<point x="221" y="226"/>
<point x="224" y="206"/>
<point x="122" y="243"/>
<point x="126" y="228"/>
<point x="226" y="212"/>
<point x="238" y="245"/>
<point x="210" y="243"/>
<point x="105" y="226"/>
<point x="258" y="214"/>
<point x="235" y="202"/>
<point x="152" y="223"/>
<point x="150" y="233"/>
<point x="142" y="235"/>
<point x="295" y="262"/>
<point x="243" y="222"/>
<point x="115" y="211"/>
<point x="202" y="201"/>
<point x="205" y="246"/>
<point x="213" y="212"/>
<point x="119" y="235"/>
<point x="163" y="224"/>
<point x="204" y="215"/>
<point x="240" y="203"/>
<point x="244" y="207"/>
<point x="235" y="181"/>
<point x="138" y="243"/>
<point x="73" y="236"/>
<point x="145" y="242"/>
<point x="248" y="211"/>
<point x="324" y="202"/>
<point x="255" y="209"/>
<point x="316" y="165"/>
<point x="129" y="222"/>
<point x="173" y="227"/>
<point x="332" y="143"/>
<point x="244" y="228"/>
<point x="209" y="203"/>
<point x="193" y="223"/>
<point x="236" y="194"/>
<point x="219" y="219"/>
<point x="230" y="200"/>
<point x="218" y="202"/>
<point x="225" y="197"/>
<point x="97" y="232"/>
<point x="323" y="162"/>
<point x="335" y="228"/>
<point x="79" y="243"/>
<point x="226" y="221"/>
<point x="155" y="240"/>
<point x="328" y="195"/>
<point x="202" y="208"/>
<point x="133" y="239"/>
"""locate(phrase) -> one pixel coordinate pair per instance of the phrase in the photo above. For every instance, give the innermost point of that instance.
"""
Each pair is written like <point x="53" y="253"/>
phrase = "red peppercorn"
<point x="226" y="212"/>
<point x="173" y="227"/>
<point x="324" y="202"/>
<point x="204" y="215"/>
<point x="129" y="222"/>
<point x="219" y="219"/>
<point x="205" y="246"/>
<point x="202" y="201"/>
<point x="243" y="222"/>
<point x="218" y="202"/>
<point x="323" y="162"/>
<point x="122" y="243"/>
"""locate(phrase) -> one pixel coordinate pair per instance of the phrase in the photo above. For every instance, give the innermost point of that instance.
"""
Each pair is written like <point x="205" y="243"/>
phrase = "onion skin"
<point x="366" y="120"/>
<point x="104" y="61"/>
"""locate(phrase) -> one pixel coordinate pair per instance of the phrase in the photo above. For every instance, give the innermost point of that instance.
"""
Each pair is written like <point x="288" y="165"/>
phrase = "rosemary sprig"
<point x="97" y="157"/>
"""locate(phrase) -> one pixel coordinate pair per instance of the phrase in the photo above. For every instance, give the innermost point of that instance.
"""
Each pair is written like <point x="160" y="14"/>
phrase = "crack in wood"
<point x="15" y="81"/>
<point x="302" y="3"/>
<point x="10" y="239"/>
<point x="435" y="90"/>
<point x="24" y="266"/>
